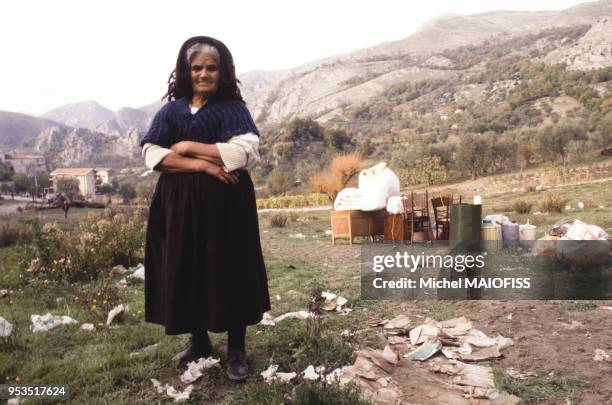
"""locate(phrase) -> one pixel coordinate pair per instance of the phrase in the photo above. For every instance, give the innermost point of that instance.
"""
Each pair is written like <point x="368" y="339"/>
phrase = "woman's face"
<point x="205" y="74"/>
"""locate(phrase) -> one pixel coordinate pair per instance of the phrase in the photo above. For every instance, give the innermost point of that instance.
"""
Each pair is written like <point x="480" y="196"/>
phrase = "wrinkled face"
<point x="205" y="74"/>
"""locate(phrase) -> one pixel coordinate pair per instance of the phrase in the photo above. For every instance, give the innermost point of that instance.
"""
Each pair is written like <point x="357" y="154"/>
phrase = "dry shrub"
<point x="522" y="207"/>
<point x="589" y="204"/>
<point x="341" y="170"/>
<point x="553" y="202"/>
<point x="530" y="189"/>
<point x="278" y="220"/>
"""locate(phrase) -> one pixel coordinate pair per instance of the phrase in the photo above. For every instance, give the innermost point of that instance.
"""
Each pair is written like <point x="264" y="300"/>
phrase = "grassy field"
<point x="108" y="365"/>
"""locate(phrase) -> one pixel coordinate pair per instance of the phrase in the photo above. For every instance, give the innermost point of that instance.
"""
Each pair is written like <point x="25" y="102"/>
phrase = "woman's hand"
<point x="182" y="148"/>
<point x="218" y="172"/>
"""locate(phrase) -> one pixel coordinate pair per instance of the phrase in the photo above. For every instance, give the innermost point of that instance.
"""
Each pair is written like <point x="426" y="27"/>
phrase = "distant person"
<point x="65" y="207"/>
<point x="203" y="260"/>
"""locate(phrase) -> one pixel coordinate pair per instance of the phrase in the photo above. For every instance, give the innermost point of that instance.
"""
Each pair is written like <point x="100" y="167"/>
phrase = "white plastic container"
<point x="527" y="234"/>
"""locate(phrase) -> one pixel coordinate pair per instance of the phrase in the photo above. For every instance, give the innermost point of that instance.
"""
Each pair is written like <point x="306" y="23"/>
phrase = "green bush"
<point x="100" y="242"/>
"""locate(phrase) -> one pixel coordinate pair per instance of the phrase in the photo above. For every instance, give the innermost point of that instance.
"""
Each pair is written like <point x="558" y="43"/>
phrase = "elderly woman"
<point x="203" y="261"/>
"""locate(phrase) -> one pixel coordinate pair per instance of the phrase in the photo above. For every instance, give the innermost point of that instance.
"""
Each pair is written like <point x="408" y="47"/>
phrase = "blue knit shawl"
<point x="216" y="121"/>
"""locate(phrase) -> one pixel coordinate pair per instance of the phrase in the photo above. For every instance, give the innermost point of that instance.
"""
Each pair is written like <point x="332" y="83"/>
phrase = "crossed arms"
<point x="219" y="160"/>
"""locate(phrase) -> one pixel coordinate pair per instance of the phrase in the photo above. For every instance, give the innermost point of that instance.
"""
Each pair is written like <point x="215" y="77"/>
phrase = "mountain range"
<point x="329" y="90"/>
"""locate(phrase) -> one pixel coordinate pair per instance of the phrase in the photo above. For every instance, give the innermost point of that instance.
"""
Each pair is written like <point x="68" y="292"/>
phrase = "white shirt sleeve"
<point x="153" y="154"/>
<point x="239" y="152"/>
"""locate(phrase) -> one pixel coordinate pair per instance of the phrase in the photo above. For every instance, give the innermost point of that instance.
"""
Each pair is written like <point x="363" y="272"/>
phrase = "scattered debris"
<point x="43" y="323"/>
<point x="194" y="369"/>
<point x="6" y="328"/>
<point x="116" y="313"/>
<point x="297" y="236"/>
<point x="328" y="232"/>
<point x="302" y="315"/>
<point x="139" y="273"/>
<point x="605" y="307"/>
<point x="398" y="325"/>
<point x="426" y="350"/>
<point x="87" y="326"/>
<point x="267" y="320"/>
<point x="601" y="355"/>
<point x="4" y="293"/>
<point x="334" y="302"/>
<point x="476" y="380"/>
<point x="382" y="376"/>
<point x="178" y="396"/>
<point x="119" y="269"/>
<point x="270" y="375"/>
<point x="121" y="283"/>
<point x="310" y="373"/>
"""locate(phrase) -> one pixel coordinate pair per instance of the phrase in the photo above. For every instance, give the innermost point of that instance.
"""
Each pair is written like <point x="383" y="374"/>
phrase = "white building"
<point x="28" y="164"/>
<point x="85" y="176"/>
<point x="104" y="174"/>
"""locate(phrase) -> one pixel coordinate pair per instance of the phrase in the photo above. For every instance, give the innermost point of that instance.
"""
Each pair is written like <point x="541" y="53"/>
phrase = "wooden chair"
<point x="441" y="207"/>
<point x="416" y="212"/>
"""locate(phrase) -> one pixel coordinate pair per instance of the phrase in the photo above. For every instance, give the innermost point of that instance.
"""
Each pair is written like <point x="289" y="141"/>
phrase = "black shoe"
<point x="196" y="347"/>
<point x="237" y="368"/>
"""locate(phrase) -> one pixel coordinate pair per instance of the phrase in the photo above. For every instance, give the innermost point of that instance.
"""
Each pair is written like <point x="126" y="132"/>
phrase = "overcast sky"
<point x="120" y="53"/>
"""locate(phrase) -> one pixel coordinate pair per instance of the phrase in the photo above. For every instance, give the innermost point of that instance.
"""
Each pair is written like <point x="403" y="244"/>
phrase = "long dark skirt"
<point x="204" y="268"/>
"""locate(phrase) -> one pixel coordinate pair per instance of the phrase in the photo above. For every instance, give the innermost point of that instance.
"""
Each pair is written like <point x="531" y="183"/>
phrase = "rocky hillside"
<point x="85" y="114"/>
<point x="456" y="73"/>
<point x="323" y="89"/>
<point x="16" y="128"/>
<point x="76" y="146"/>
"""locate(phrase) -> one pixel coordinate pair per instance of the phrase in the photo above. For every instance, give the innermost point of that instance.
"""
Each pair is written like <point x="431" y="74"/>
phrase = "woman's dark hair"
<point x="179" y="82"/>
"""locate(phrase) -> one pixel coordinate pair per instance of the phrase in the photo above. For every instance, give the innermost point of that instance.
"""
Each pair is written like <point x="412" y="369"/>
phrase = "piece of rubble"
<point x="302" y="315"/>
<point x="297" y="236"/>
<point x="138" y="274"/>
<point x="4" y="293"/>
<point x="119" y="269"/>
<point x="373" y="323"/>
<point x="310" y="373"/>
<point x="425" y="351"/>
<point x="333" y="302"/>
<point x="285" y="377"/>
<point x="398" y="325"/>
<point x="172" y="392"/>
<point x="194" y="369"/>
<point x="467" y="374"/>
<point x="269" y="373"/>
<point x="88" y="326"/>
<point x="44" y="323"/>
<point x="604" y="307"/>
<point x="423" y="333"/>
<point x="116" y="313"/>
<point x="601" y="355"/>
<point x="121" y="283"/>
<point x="397" y="340"/>
<point x="484" y="353"/>
<point x="267" y="320"/>
<point x="6" y="328"/>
